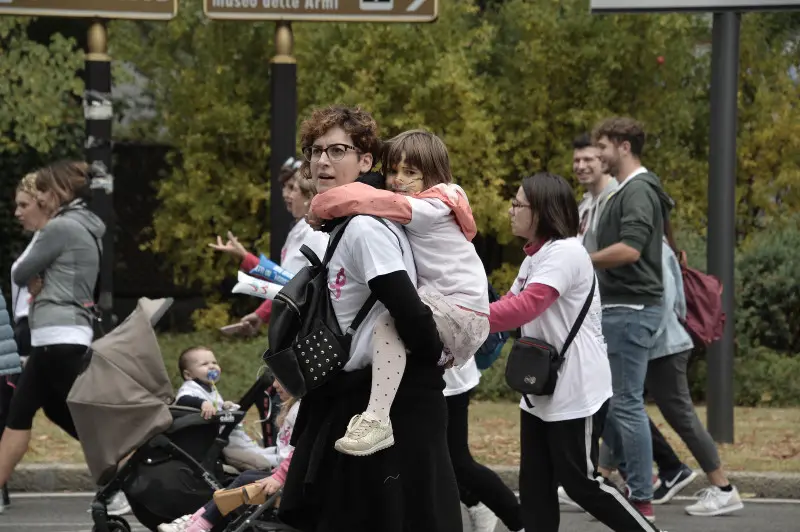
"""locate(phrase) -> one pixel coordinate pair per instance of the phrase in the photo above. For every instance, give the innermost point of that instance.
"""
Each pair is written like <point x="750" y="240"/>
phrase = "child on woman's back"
<point x="200" y="372"/>
<point x="451" y="277"/>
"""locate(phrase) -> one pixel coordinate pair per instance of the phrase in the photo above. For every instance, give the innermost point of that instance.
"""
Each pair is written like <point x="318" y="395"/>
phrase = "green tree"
<point x="40" y="117"/>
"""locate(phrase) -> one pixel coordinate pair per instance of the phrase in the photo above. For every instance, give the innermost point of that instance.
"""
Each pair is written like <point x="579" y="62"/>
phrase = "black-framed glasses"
<point x="335" y="152"/>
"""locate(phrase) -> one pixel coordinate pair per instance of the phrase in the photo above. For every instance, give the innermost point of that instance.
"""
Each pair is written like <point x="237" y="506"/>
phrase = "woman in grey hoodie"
<point x="60" y="271"/>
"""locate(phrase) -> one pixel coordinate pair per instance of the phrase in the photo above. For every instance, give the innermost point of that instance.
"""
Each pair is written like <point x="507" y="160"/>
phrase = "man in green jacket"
<point x="628" y="263"/>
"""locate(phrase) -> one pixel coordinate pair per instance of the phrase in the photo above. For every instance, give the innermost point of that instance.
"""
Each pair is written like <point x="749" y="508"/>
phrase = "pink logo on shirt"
<point x="283" y="255"/>
<point x="338" y="284"/>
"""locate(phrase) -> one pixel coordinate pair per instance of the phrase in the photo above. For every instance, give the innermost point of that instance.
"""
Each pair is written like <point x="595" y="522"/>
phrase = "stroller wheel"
<point x="115" y="524"/>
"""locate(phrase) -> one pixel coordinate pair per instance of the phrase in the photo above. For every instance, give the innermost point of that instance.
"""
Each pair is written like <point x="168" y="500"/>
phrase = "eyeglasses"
<point x="335" y="152"/>
<point x="517" y="205"/>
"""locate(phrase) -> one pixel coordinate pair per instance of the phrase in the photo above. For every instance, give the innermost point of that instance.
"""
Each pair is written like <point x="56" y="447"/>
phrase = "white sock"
<point x="388" y="365"/>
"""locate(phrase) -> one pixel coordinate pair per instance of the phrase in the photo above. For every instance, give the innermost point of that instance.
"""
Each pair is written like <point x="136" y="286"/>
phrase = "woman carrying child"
<point x="196" y="364"/>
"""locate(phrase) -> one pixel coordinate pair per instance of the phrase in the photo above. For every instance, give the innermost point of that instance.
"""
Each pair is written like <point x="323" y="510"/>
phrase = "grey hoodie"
<point x="66" y="256"/>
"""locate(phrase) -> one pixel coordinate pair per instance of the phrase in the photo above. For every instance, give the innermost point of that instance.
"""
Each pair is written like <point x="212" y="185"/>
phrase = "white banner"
<point x="697" y="5"/>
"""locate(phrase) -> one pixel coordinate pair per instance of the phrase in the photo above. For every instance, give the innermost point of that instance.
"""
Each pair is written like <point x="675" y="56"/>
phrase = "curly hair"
<point x="28" y="185"/>
<point x="620" y="129"/>
<point x="355" y="121"/>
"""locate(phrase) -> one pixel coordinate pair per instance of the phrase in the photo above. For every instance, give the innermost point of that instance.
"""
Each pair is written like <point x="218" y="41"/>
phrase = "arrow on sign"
<point x="415" y="5"/>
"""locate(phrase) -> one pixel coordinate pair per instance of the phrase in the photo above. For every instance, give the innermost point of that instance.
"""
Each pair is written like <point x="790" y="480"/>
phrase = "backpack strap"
<point x="579" y="321"/>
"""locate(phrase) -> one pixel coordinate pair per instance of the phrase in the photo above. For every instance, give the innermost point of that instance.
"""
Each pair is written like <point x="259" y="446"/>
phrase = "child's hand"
<point x="314" y="221"/>
<point x="269" y="485"/>
<point x="35" y="286"/>
<point x="232" y="246"/>
<point x="207" y="410"/>
<point x="230" y="405"/>
<point x="448" y="190"/>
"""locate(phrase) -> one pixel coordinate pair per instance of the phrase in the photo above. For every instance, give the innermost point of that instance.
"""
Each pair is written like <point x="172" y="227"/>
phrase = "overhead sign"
<point x="324" y="10"/>
<point x="621" y="6"/>
<point x="118" y="9"/>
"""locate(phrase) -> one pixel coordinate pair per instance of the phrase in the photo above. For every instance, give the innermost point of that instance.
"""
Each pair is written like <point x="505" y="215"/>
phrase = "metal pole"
<point x="283" y="72"/>
<point x="98" y="113"/>
<point x="722" y="215"/>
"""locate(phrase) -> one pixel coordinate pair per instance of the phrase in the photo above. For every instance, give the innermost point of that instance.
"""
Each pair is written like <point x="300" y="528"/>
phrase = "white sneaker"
<point x="365" y="435"/>
<point x="563" y="498"/>
<point x="118" y="505"/>
<point x="178" y="525"/>
<point x="713" y="501"/>
<point x="482" y="518"/>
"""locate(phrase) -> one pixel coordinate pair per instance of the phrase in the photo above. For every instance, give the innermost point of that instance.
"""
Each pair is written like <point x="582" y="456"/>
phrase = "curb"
<point x="76" y="477"/>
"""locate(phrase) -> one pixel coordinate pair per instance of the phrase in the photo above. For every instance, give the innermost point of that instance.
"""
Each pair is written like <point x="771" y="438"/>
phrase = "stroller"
<point x="166" y="459"/>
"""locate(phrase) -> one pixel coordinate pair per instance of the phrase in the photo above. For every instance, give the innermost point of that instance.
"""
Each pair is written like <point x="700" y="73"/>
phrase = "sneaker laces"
<point x="706" y="494"/>
<point x="358" y="427"/>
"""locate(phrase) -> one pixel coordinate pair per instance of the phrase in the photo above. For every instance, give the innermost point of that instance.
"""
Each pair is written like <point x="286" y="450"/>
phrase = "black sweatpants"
<point x="562" y="452"/>
<point x="476" y="482"/>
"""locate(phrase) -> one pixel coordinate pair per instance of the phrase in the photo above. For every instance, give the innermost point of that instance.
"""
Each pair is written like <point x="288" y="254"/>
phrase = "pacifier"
<point x="213" y="375"/>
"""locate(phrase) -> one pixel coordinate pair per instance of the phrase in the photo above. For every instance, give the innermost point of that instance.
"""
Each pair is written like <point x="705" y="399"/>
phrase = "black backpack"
<point x="306" y="346"/>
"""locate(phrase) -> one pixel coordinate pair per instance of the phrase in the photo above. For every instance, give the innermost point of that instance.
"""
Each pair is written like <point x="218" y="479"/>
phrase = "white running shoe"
<point x="178" y="525"/>
<point x="563" y="498"/>
<point x="118" y="505"/>
<point x="713" y="501"/>
<point x="482" y="518"/>
<point x="366" y="434"/>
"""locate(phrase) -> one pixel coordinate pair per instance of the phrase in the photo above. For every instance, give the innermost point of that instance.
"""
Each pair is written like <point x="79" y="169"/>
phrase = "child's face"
<point x="201" y="362"/>
<point x="404" y="178"/>
<point x="282" y="393"/>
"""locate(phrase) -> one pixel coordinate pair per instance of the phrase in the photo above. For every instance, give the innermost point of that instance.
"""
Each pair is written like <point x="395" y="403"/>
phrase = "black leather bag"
<point x="533" y="364"/>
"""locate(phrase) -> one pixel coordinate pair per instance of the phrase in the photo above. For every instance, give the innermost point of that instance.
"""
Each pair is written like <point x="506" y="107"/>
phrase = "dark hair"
<point x="66" y="179"/>
<point x="582" y="142"/>
<point x="182" y="359"/>
<point x="553" y="202"/>
<point x="621" y="129"/>
<point x="356" y="122"/>
<point x="424" y="151"/>
<point x="289" y="170"/>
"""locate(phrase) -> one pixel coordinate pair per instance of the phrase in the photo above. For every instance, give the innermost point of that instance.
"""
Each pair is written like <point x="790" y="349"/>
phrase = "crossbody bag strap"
<point x="576" y="327"/>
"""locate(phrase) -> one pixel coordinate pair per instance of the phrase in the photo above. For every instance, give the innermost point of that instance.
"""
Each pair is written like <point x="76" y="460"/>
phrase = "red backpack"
<point x="705" y="319"/>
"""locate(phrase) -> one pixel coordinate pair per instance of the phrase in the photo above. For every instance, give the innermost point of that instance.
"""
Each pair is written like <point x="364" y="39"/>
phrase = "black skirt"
<point x="407" y="487"/>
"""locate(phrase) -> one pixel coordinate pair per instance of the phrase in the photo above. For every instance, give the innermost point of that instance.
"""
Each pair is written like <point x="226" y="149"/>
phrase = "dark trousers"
<point x="477" y="483"/>
<point x="210" y="510"/>
<point x="564" y="452"/>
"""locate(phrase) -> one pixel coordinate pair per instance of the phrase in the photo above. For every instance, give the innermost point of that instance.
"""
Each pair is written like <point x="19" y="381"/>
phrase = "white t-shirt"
<point x="368" y="249"/>
<point x="461" y="380"/>
<point x="446" y="261"/>
<point x="584" y="381"/>
<point x="20" y="304"/>
<point x="302" y="233"/>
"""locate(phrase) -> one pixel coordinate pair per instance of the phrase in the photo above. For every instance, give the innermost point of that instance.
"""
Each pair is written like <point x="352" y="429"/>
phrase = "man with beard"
<point x="629" y="238"/>
<point x="599" y="185"/>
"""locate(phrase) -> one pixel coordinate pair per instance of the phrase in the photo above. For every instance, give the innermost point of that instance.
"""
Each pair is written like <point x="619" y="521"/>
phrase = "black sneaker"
<point x="672" y="484"/>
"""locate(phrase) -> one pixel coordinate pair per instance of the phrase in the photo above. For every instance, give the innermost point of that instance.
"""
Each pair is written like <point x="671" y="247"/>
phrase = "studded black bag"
<point x="307" y="347"/>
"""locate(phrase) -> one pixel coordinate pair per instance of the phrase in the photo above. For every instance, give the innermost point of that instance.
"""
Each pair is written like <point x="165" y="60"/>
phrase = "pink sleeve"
<point x="249" y="262"/>
<point x="460" y="208"/>
<point x="358" y="198"/>
<point x="513" y="312"/>
<point x="283" y="468"/>
<point x="264" y="310"/>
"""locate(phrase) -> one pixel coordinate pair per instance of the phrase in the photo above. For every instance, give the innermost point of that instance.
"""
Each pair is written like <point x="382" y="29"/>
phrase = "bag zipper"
<point x="528" y="342"/>
<point x="281" y="297"/>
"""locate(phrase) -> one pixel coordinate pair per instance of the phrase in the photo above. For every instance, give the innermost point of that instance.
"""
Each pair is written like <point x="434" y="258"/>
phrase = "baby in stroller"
<point x="263" y="483"/>
<point x="201" y="371"/>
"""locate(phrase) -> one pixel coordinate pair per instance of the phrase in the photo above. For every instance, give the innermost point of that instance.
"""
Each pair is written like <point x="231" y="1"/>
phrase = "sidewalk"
<point x="76" y="478"/>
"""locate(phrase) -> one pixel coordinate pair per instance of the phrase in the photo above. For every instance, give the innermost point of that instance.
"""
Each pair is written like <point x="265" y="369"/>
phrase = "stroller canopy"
<point x="121" y="400"/>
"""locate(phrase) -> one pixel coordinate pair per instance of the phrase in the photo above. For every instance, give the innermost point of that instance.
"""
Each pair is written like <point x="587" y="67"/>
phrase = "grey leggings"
<point x="668" y="385"/>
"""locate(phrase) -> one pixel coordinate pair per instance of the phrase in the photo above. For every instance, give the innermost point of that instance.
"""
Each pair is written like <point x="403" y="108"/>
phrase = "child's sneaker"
<point x="366" y="434"/>
<point x="713" y="501"/>
<point x="178" y="525"/>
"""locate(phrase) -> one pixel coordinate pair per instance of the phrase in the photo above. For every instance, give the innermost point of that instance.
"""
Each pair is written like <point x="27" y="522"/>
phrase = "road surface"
<point x="67" y="513"/>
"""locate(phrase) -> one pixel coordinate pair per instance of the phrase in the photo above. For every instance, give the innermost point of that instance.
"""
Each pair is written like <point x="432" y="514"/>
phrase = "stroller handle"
<point x="229" y="419"/>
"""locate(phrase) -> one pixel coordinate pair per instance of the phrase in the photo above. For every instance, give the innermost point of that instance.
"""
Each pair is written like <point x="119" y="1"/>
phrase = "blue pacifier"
<point x="213" y="375"/>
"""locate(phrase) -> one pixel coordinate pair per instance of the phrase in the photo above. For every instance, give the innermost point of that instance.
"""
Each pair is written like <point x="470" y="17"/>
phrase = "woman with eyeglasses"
<point x="557" y="433"/>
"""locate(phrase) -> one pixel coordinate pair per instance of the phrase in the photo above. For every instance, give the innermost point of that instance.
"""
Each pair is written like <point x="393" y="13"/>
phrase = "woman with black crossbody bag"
<point x="560" y="363"/>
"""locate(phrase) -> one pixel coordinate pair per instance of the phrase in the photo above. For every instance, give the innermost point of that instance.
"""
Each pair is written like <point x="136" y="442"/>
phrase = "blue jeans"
<point x="630" y="335"/>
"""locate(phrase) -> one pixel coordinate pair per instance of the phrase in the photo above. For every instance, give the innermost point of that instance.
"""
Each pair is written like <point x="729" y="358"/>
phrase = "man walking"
<point x="590" y="172"/>
<point x="629" y="236"/>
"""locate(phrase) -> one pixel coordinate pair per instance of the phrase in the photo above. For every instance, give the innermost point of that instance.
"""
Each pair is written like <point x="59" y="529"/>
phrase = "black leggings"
<point x="45" y="383"/>
<point x="477" y="483"/>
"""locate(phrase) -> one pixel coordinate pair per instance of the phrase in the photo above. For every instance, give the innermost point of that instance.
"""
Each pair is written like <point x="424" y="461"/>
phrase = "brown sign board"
<point x="622" y="6"/>
<point x="117" y="9"/>
<point x="324" y="10"/>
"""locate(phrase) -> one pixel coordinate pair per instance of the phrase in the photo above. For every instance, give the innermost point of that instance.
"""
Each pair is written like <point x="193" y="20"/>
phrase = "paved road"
<point x="67" y="513"/>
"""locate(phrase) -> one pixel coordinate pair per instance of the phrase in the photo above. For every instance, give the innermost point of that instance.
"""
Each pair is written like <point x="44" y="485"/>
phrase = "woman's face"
<point x="28" y="212"/>
<point x="522" y="220"/>
<point x="329" y="174"/>
<point x="298" y="203"/>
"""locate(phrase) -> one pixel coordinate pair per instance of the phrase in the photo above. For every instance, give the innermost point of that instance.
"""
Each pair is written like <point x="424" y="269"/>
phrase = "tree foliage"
<point x="507" y="87"/>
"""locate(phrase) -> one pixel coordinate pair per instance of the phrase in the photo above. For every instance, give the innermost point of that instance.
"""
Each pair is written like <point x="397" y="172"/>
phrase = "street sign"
<point x="627" y="6"/>
<point x="324" y="10"/>
<point x="116" y="9"/>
